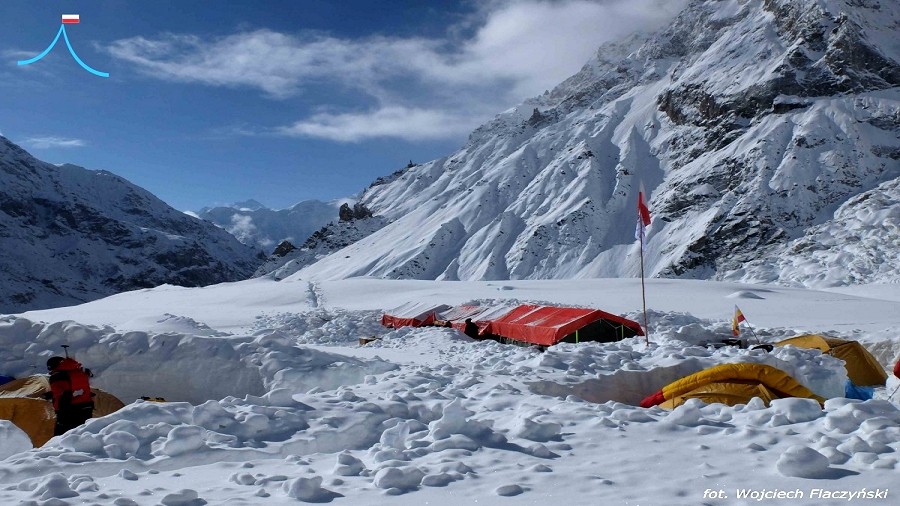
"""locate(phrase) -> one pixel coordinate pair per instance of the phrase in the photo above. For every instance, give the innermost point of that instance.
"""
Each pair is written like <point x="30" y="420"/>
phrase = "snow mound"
<point x="134" y="364"/>
<point x="802" y="462"/>
<point x="184" y="497"/>
<point x="308" y="490"/>
<point x="745" y="294"/>
<point x="12" y="439"/>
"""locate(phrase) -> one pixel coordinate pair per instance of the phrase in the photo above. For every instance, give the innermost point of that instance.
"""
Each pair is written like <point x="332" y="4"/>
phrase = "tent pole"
<point x="644" y="292"/>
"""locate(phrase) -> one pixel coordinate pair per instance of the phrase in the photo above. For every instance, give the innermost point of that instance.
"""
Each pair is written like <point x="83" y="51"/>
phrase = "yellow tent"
<point x="730" y="384"/>
<point x="34" y="416"/>
<point x="22" y="402"/>
<point x="862" y="368"/>
<point x="31" y="386"/>
<point x="723" y="393"/>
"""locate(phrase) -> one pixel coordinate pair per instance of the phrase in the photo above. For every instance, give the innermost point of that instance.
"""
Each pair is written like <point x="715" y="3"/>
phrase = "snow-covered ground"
<point x="273" y="401"/>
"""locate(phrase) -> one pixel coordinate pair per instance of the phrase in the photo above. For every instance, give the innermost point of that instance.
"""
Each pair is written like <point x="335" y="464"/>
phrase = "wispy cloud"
<point x="49" y="142"/>
<point x="390" y="121"/>
<point x="421" y="88"/>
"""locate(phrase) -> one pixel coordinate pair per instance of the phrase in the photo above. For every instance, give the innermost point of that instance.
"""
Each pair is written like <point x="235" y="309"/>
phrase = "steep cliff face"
<point x="748" y="122"/>
<point x="68" y="235"/>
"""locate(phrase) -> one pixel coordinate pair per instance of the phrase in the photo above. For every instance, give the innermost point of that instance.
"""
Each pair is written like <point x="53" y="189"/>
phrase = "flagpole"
<point x="644" y="292"/>
<point x="643" y="221"/>
<point x="752" y="332"/>
<point x="895" y="391"/>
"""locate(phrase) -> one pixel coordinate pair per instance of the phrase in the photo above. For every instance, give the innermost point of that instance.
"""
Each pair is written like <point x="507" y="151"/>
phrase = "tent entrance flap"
<point x="602" y="331"/>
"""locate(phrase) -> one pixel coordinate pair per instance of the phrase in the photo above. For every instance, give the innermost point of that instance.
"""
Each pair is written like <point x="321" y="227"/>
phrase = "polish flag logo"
<point x="71" y="19"/>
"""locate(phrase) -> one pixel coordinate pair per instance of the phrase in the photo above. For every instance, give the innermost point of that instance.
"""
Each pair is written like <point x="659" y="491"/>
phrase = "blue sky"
<point x="210" y="102"/>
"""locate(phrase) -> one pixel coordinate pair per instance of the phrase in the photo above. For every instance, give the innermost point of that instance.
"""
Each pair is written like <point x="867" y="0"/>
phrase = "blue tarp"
<point x="852" y="391"/>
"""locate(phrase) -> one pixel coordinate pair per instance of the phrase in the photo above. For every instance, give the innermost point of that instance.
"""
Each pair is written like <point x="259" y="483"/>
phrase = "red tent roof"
<point x="547" y="325"/>
<point x="481" y="315"/>
<point x="412" y="314"/>
<point x="460" y="313"/>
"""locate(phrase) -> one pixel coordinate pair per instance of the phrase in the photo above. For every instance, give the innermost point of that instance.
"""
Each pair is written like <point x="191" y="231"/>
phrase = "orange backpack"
<point x="78" y="383"/>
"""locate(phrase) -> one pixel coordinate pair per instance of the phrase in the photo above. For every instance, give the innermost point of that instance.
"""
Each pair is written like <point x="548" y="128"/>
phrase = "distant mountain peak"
<point x="249" y="205"/>
<point x="258" y="226"/>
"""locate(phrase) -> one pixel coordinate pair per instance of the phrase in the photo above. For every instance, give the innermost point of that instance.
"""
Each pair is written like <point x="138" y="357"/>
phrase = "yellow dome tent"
<point x="34" y="416"/>
<point x="22" y="402"/>
<point x="862" y="368"/>
<point x="730" y="384"/>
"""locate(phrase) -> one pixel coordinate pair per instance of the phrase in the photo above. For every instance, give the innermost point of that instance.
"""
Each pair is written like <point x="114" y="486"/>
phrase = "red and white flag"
<point x="643" y="211"/>
<point x="71" y="19"/>
<point x="643" y="217"/>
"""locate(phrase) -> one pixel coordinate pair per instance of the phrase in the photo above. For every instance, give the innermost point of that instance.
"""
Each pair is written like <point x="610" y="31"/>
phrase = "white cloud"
<point x="422" y="88"/>
<point x="390" y="121"/>
<point x="49" y="142"/>
<point x="243" y="228"/>
<point x="538" y="44"/>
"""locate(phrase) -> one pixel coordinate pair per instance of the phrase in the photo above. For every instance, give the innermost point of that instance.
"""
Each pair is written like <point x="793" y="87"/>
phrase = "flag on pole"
<point x="643" y="218"/>
<point x="643" y="211"/>
<point x="642" y="221"/>
<point x="738" y="318"/>
<point x="71" y="19"/>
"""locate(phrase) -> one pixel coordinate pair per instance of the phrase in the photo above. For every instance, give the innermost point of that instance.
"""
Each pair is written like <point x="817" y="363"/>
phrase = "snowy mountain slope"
<point x="748" y="122"/>
<point x="861" y="243"/>
<point x="69" y="235"/>
<point x="258" y="226"/>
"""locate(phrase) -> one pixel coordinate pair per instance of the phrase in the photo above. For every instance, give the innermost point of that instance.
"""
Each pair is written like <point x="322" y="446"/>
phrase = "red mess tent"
<point x="412" y="314"/>
<point x="548" y="325"/>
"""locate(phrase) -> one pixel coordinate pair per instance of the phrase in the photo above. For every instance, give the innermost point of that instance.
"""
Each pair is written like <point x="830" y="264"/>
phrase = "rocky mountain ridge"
<point x="70" y="235"/>
<point x="353" y="224"/>
<point x="748" y="122"/>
